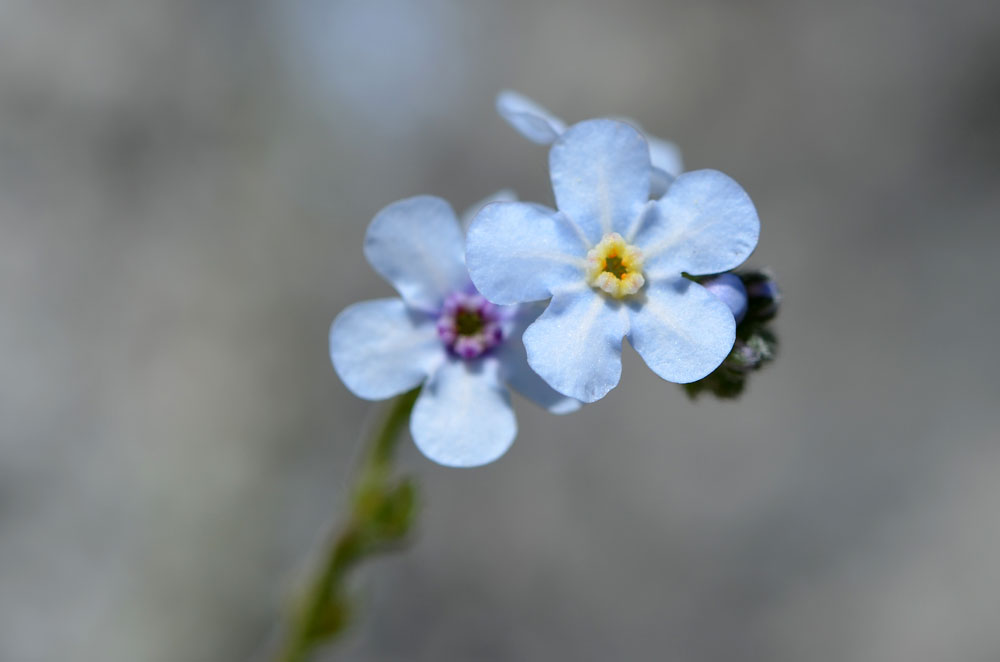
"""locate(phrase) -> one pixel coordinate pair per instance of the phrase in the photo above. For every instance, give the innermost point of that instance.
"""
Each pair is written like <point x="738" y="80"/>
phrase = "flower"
<point x="614" y="262"/>
<point x="540" y="126"/>
<point x="443" y="334"/>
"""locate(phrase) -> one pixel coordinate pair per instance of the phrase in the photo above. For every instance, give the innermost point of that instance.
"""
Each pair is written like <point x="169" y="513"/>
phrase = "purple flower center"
<point x="470" y="325"/>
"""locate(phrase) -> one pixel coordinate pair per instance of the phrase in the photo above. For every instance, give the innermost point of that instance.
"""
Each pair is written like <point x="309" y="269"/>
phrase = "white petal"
<point x="523" y="252"/>
<point x="416" y="244"/>
<point x="519" y="375"/>
<point x="463" y="416"/>
<point x="665" y="155"/>
<point x="380" y="348"/>
<point x="576" y="344"/>
<point x="665" y="158"/>
<point x="659" y="182"/>
<point x="681" y="330"/>
<point x="705" y="224"/>
<point x="530" y="119"/>
<point x="600" y="175"/>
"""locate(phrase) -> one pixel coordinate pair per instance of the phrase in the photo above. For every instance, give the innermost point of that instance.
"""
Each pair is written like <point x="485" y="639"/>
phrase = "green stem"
<point x="381" y="513"/>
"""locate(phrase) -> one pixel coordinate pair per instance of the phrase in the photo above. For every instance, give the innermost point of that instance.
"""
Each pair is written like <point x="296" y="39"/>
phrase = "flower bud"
<point x="763" y="294"/>
<point x="729" y="287"/>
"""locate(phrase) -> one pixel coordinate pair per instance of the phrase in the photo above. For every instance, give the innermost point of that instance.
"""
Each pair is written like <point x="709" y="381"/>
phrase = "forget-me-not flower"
<point x="540" y="126"/>
<point x="612" y="261"/>
<point x="443" y="334"/>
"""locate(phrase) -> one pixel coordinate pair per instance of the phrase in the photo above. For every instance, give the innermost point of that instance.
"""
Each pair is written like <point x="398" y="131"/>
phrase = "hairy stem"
<point x="381" y="514"/>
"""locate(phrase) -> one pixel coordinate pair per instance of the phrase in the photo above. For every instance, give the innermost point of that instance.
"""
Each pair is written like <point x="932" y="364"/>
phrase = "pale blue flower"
<point x="612" y="261"/>
<point x="443" y="334"/>
<point x="540" y="126"/>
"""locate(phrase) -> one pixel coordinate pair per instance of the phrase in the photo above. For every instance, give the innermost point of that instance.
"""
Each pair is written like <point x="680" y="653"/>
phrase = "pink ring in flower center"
<point x="470" y="325"/>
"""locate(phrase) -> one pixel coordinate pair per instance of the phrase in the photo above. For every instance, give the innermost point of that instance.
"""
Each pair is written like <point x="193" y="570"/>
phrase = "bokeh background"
<point x="184" y="188"/>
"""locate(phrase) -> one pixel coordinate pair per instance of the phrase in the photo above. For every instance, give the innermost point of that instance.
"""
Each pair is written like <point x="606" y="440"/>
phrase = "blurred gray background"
<point x="184" y="188"/>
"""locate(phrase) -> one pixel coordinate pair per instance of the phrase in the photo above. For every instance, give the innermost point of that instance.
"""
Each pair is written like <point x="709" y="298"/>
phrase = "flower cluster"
<point x="540" y="299"/>
<point x="440" y="334"/>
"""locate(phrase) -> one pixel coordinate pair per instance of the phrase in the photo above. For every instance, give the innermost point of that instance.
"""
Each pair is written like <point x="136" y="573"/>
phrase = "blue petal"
<point x="522" y="252"/>
<point x="665" y="155"/>
<point x="416" y="244"/>
<point x="659" y="182"/>
<point x="600" y="175"/>
<point x="380" y="348"/>
<point x="531" y="120"/>
<point x="519" y="375"/>
<point x="665" y="158"/>
<point x="503" y="195"/>
<point x="705" y="224"/>
<point x="730" y="288"/>
<point x="681" y="331"/>
<point x="463" y="416"/>
<point x="576" y="344"/>
<point x="667" y="165"/>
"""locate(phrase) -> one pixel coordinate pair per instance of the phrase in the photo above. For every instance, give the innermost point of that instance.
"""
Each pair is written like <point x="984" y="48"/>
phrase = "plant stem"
<point x="381" y="514"/>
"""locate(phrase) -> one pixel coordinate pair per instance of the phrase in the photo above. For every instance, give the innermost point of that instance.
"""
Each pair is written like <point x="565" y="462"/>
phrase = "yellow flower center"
<point x="615" y="266"/>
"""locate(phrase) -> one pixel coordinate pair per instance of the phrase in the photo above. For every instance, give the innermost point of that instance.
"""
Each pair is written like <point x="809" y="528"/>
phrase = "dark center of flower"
<point x="469" y="325"/>
<point x="613" y="265"/>
<point x="468" y="322"/>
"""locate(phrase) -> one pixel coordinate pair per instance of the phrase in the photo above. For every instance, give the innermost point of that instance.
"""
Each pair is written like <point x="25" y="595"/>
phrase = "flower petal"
<point x="380" y="348"/>
<point x="576" y="344"/>
<point x="600" y="175"/>
<point x="531" y="120"/>
<point x="416" y="244"/>
<point x="659" y="182"/>
<point x="681" y="330"/>
<point x="667" y="165"/>
<point x="522" y="252"/>
<point x="519" y="375"/>
<point x="503" y="195"/>
<point x="705" y="224"/>
<point x="665" y="155"/>
<point x="463" y="416"/>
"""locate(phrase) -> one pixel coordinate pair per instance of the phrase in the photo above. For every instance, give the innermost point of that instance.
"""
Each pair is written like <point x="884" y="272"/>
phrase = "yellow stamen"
<point x="615" y="266"/>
